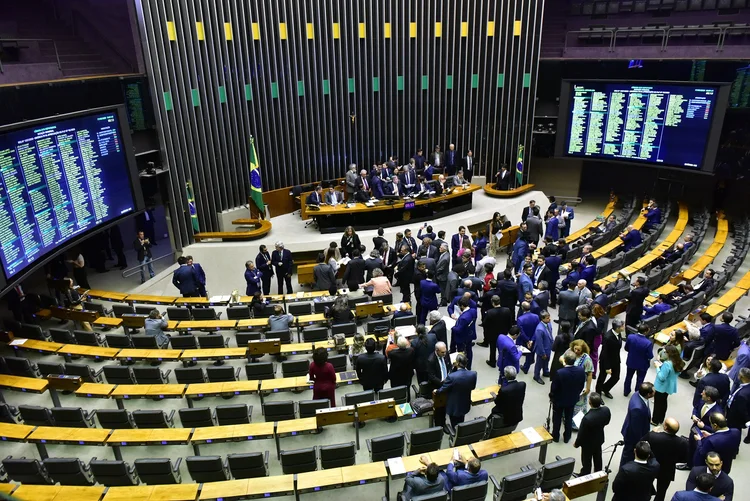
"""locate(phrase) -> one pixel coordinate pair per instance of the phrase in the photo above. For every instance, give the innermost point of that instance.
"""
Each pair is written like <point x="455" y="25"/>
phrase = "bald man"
<point x="668" y="449"/>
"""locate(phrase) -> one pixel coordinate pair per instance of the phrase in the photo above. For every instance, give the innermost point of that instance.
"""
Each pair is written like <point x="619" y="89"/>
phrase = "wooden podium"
<point x="587" y="484"/>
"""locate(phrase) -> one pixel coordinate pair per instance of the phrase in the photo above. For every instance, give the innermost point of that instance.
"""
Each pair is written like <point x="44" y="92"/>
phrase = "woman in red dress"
<point x="323" y="376"/>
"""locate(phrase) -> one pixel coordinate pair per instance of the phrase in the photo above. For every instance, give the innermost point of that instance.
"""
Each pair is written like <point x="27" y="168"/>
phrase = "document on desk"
<point x="532" y="435"/>
<point x="396" y="466"/>
<point x="17" y="342"/>
<point x="219" y="299"/>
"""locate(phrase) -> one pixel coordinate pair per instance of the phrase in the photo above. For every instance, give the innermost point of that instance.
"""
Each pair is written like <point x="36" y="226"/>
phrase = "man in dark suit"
<point x="457" y="242"/>
<point x="568" y="302"/>
<point x="393" y="187"/>
<point x="459" y="385"/>
<point x="726" y="338"/>
<point x="184" y="279"/>
<point x="509" y="400"/>
<point x="541" y="273"/>
<point x="714" y="378"/>
<point x="496" y="322"/>
<point x="553" y="262"/>
<point x="703" y="491"/>
<point x="401" y="369"/>
<point x="635" y="480"/>
<point x="142" y="246"/>
<point x="437" y="159"/>
<point x="464" y="331"/>
<point x="508" y="290"/>
<point x="405" y="272"/>
<point x="362" y="187"/>
<point x="315" y="197"/>
<point x="374" y="263"/>
<point x="503" y="179"/>
<point x="701" y="417"/>
<point x="567" y="385"/>
<point x="265" y="265"/>
<point x="355" y="271"/>
<point x="528" y="210"/>
<point x="437" y="326"/>
<point x="334" y="197"/>
<point x="372" y="368"/>
<point x="442" y="268"/>
<point x="640" y="352"/>
<point x="200" y="275"/>
<point x="609" y="358"/>
<point x="635" y="302"/>
<point x="377" y="188"/>
<point x="408" y="180"/>
<point x="467" y="164"/>
<point x="591" y="434"/>
<point x="668" y="449"/>
<point x="631" y="238"/>
<point x="637" y="420"/>
<point x="378" y="241"/>
<point x="724" y="440"/>
<point x="452" y="160"/>
<point x="739" y="403"/>
<point x="389" y="256"/>
<point x="283" y="264"/>
<point x="586" y="329"/>
<point x="438" y="368"/>
<point x="723" y="484"/>
<point x="708" y="283"/>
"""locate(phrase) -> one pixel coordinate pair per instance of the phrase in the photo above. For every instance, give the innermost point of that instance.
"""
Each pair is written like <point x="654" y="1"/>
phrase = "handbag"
<point x="421" y="406"/>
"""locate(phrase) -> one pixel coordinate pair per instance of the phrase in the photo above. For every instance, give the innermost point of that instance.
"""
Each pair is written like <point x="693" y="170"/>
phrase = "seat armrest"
<point x="170" y="417"/>
<point x="495" y="483"/>
<point x="449" y="427"/>
<point x="406" y="438"/>
<point x="166" y="374"/>
<point x="98" y="373"/>
<point x="265" y="459"/>
<point x="218" y="316"/>
<point x="226" y="342"/>
<point x="237" y="374"/>
<point x="250" y="412"/>
<point x="369" y="445"/>
<point x="90" y="415"/>
<point x="177" y="464"/>
<point x="416" y="390"/>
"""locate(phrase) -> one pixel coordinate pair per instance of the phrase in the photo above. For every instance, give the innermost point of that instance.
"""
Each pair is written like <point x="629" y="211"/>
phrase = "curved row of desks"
<point x="616" y="242"/>
<point x="490" y="190"/>
<point x="261" y="228"/>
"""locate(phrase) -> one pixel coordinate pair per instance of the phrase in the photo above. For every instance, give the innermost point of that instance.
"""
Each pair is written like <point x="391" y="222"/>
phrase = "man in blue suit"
<point x="460" y="294"/>
<point x="567" y="385"/>
<point x="726" y="338"/>
<point x="200" y="275"/>
<point x="520" y="249"/>
<point x="525" y="282"/>
<point x="740" y="362"/>
<point x="527" y="322"/>
<point x="283" y="263"/>
<point x="571" y="215"/>
<point x="429" y="300"/>
<point x="714" y="378"/>
<point x="703" y="491"/>
<point x="631" y="238"/>
<point x="464" y="332"/>
<point x="724" y="440"/>
<point x="653" y="216"/>
<point x="377" y="187"/>
<point x="588" y="273"/>
<point x="640" y="352"/>
<point x="738" y="412"/>
<point x="252" y="278"/>
<point x="701" y="417"/>
<point x="542" y="348"/>
<point x="508" y="352"/>
<point x="723" y="484"/>
<point x="553" y="262"/>
<point x="462" y="472"/>
<point x="459" y="385"/>
<point x="707" y="330"/>
<point x="393" y="187"/>
<point x="185" y="279"/>
<point x="637" y="421"/>
<point x="457" y="242"/>
<point x="660" y="307"/>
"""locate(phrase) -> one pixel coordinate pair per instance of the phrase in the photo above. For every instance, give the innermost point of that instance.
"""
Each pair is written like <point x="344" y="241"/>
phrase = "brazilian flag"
<point x="519" y="165"/>
<point x="256" y="188"/>
<point x="191" y="206"/>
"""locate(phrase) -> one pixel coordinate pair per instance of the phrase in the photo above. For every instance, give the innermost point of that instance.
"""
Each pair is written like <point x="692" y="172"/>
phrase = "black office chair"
<point x="198" y="417"/>
<point x="33" y="415"/>
<point x="234" y="414"/>
<point x="122" y="309"/>
<point x="293" y="368"/>
<point x="88" y="338"/>
<point x="437" y="496"/>
<point x="279" y="411"/>
<point x="85" y="372"/>
<point x="63" y="336"/>
<point x="299" y="461"/>
<point x="31" y="331"/>
<point x="243" y="338"/>
<point x="113" y="473"/>
<point x="339" y="362"/>
<point x="337" y="456"/>
<point x="308" y="408"/>
<point x="46" y="368"/>
<point x="405" y="321"/>
<point x="190" y="375"/>
<point x="238" y="312"/>
<point x="314" y="334"/>
<point x="69" y="471"/>
<point x="183" y="342"/>
<point x="320" y="306"/>
<point x="348" y="329"/>
<point x="118" y="341"/>
<point x="260" y="370"/>
<point x="153" y="419"/>
<point x="155" y="471"/>
<point x="116" y="419"/>
<point x="21" y="367"/>
<point x="177" y="313"/>
<point x="97" y="307"/>
<point x="359" y="397"/>
<point x="9" y="414"/>
<point x="471" y="492"/>
<point x="388" y="446"/>
<point x="298" y="309"/>
<point x="386" y="298"/>
<point x="248" y="465"/>
<point x="222" y="374"/>
<point x="421" y="441"/>
<point x="468" y="432"/>
<point x="378" y="327"/>
<point x="151" y="375"/>
<point x="144" y="310"/>
<point x="207" y="468"/>
<point x="285" y="336"/>
<point x="26" y="471"/>
<point x="73" y="417"/>
<point x="515" y="487"/>
<point x="146" y="342"/>
<point x="496" y="428"/>
<point x="212" y="341"/>
<point x="205" y="314"/>
<point x="554" y="474"/>
<point x="400" y="394"/>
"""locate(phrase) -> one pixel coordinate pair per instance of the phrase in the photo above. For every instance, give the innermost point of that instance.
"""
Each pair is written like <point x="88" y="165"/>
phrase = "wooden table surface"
<point x="95" y="390"/>
<point x="358" y="473"/>
<point x="151" y="299"/>
<point x="296" y="348"/>
<point x="322" y="479"/>
<point x="441" y="457"/>
<point x="296" y="426"/>
<point x="508" y="443"/>
<point x="226" y="388"/>
<point x="149" y="436"/>
<point x="126" y="391"/>
<point x="29" y="492"/>
<point x="15" y="432"/>
<point x="72" y="436"/>
<point x="186" y="325"/>
<point x="108" y="322"/>
<point x="284" y="384"/>
<point x="90" y="351"/>
<point x="233" y="432"/>
<point x="277" y="485"/>
<point x="731" y="296"/>
<point x="246" y="323"/>
<point x="26" y="384"/>
<point x="106" y="295"/>
<point x="34" y="344"/>
<point x="148" y="354"/>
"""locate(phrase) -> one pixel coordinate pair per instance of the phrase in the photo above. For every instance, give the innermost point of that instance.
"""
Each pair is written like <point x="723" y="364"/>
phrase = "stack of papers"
<point x="396" y="466"/>
<point x="532" y="435"/>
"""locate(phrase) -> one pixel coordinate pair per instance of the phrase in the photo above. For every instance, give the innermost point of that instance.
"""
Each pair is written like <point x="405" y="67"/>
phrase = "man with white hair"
<point x="442" y="268"/>
<point x="437" y="326"/>
<point x="283" y="263"/>
<point x="451" y="160"/>
<point x="554" y="495"/>
<point x="362" y="187"/>
<point x="438" y="368"/>
<point x="351" y="182"/>
<point x="509" y="400"/>
<point x="584" y="294"/>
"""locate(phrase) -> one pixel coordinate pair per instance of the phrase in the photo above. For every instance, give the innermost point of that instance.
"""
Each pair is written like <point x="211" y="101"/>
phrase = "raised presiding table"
<point x="382" y="213"/>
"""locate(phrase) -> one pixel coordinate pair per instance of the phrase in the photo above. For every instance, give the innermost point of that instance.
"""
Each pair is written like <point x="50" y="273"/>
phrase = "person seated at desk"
<point x="429" y="171"/>
<point x="502" y="178"/>
<point x="462" y="472"/>
<point x="409" y="180"/>
<point x="154" y="326"/>
<point x="441" y="185"/>
<point x="334" y="197"/>
<point x="662" y="305"/>
<point x="670" y="256"/>
<point x="280" y="320"/>
<point x="362" y="187"/>
<point x="631" y="238"/>
<point x="377" y="188"/>
<point x="708" y="283"/>
<point x="610" y="224"/>
<point x="458" y="179"/>
<point x="404" y="310"/>
<point x="315" y="198"/>
<point x="340" y="313"/>
<point x="422" y="186"/>
<point x="652" y="213"/>
<point x="378" y="285"/>
<point x="393" y="187"/>
<point x="426" y="480"/>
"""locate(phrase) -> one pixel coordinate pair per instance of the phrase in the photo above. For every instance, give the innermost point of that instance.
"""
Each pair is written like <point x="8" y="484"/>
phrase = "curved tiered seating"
<point x="491" y="191"/>
<point x="262" y="228"/>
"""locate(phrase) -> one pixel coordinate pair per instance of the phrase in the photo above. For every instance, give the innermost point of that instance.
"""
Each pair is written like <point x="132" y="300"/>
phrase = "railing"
<point x="568" y="200"/>
<point x="666" y="32"/>
<point x="137" y="269"/>
<point x="611" y="34"/>
<point x="16" y="40"/>
<point x="78" y="16"/>
<point x="717" y="29"/>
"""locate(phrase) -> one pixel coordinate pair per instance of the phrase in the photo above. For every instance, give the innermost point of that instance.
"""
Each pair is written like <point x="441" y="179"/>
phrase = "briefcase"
<point x="421" y="406"/>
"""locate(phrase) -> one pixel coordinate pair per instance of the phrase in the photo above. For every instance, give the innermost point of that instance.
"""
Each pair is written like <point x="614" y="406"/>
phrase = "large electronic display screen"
<point x="61" y="178"/>
<point x="659" y="123"/>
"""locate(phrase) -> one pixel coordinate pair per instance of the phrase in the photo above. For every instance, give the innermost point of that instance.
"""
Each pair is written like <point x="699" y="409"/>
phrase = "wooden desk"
<point x="198" y="390"/>
<point x="69" y="436"/>
<point x="214" y="354"/>
<point x="130" y="391"/>
<point x="29" y="492"/>
<point x="441" y="457"/>
<point x="296" y="348"/>
<point x="44" y="347"/>
<point x="108" y="322"/>
<point x="715" y="309"/>
<point x="730" y="297"/>
<point x="284" y="384"/>
<point x="481" y="396"/>
<point x="509" y="444"/>
<point x="292" y="427"/>
<point x="146" y="354"/>
<point x="95" y="390"/>
<point x="279" y="485"/>
<point x="148" y="299"/>
<point x="490" y="189"/>
<point x="115" y="297"/>
<point x="149" y="436"/>
<point x="313" y="481"/>
<point x="25" y="384"/>
<point x="14" y="432"/>
<point x="310" y="319"/>
<point x="252" y="323"/>
<point x="364" y="473"/>
<point x="214" y="325"/>
<point x="232" y="433"/>
<point x="744" y="283"/>
<point x="8" y="488"/>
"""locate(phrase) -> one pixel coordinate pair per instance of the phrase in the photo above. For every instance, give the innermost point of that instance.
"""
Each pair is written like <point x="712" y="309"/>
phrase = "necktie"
<point x="364" y="182"/>
<point x="704" y="409"/>
<point x="731" y="398"/>
<point x="442" y="368"/>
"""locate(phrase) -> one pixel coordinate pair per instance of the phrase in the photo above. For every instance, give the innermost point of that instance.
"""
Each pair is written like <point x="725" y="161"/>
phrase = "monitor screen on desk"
<point x="62" y="178"/>
<point x="674" y="124"/>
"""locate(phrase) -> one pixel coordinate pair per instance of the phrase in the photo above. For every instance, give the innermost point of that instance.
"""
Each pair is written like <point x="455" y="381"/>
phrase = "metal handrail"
<point x="719" y="29"/>
<point x="16" y="40"/>
<point x="568" y="200"/>
<point x="633" y="29"/>
<point x="136" y="269"/>
<point x="92" y="28"/>
<point x="611" y="34"/>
